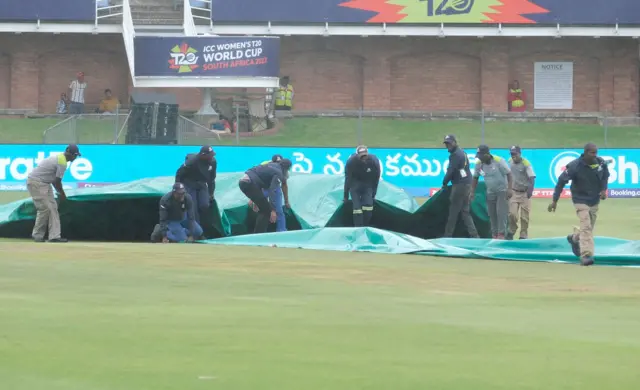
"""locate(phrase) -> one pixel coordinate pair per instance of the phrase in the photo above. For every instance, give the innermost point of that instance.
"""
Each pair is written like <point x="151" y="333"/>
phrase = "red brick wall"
<point x="380" y="73"/>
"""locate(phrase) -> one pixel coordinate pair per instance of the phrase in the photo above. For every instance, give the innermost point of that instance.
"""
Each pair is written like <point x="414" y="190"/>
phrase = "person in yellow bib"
<point x="284" y="95"/>
<point x="516" y="98"/>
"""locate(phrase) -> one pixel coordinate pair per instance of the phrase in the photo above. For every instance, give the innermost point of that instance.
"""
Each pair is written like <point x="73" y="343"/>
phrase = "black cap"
<point x="362" y="150"/>
<point x="179" y="188"/>
<point x="276" y="158"/>
<point x="285" y="163"/>
<point x="206" y="149"/>
<point x="482" y="150"/>
<point x="73" y="150"/>
<point x="515" y="149"/>
<point x="449" y="139"/>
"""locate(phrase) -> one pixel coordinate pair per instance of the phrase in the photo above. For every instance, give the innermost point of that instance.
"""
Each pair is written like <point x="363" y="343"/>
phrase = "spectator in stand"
<point x="62" y="107"/>
<point x="108" y="105"/>
<point x="76" y="91"/>
<point x="516" y="98"/>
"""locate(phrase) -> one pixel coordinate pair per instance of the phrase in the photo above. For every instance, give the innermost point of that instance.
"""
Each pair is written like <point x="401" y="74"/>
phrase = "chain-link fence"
<point x="426" y="129"/>
<point x="86" y="129"/>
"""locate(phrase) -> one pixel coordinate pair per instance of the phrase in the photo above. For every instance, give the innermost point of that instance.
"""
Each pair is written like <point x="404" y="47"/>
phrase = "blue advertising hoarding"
<point x="418" y="171"/>
<point x="429" y="11"/>
<point x="31" y="10"/>
<point x="207" y="56"/>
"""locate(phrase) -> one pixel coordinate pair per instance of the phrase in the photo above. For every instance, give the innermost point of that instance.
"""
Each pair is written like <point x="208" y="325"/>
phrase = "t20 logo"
<point x="448" y="7"/>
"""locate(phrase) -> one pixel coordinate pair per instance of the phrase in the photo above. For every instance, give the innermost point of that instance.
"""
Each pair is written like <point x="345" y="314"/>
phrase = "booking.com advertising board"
<point x="418" y="171"/>
<point x="567" y="12"/>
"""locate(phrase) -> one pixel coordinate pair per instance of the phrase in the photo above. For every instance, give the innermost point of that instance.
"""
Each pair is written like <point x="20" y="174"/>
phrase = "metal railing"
<point x="87" y="129"/>
<point x="107" y="11"/>
<point x="202" y="13"/>
<point x="191" y="132"/>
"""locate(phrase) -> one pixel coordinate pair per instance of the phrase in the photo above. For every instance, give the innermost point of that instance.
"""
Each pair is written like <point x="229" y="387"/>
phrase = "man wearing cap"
<point x="198" y="174"/>
<point x="361" y="179"/>
<point x="270" y="177"/>
<point x="520" y="203"/>
<point x="49" y="171"/>
<point x="589" y="176"/>
<point x="281" y="221"/>
<point x="177" y="216"/>
<point x="499" y="182"/>
<point x="459" y="174"/>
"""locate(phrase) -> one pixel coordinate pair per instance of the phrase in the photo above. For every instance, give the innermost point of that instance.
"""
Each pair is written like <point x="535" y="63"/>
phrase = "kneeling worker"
<point x="361" y="179"/>
<point x="264" y="177"/>
<point x="177" y="217"/>
<point x="497" y="178"/>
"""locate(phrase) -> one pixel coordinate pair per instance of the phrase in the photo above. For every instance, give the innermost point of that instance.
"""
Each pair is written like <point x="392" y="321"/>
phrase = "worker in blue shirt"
<point x="198" y="174"/>
<point x="283" y="191"/>
<point x="177" y="217"/>
<point x="264" y="177"/>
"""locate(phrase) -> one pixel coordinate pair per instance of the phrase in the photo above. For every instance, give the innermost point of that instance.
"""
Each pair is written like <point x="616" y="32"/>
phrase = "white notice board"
<point x="553" y="86"/>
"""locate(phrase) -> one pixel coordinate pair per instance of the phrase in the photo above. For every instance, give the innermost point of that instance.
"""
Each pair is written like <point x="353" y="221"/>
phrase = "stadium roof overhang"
<point x="442" y="30"/>
<point x="60" y="28"/>
<point x="206" y="82"/>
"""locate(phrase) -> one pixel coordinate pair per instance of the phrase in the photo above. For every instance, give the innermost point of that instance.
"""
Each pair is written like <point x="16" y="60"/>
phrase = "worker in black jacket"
<point x="589" y="176"/>
<point x="177" y="220"/>
<point x="198" y="174"/>
<point x="361" y="178"/>
<point x="265" y="176"/>
<point x="459" y="174"/>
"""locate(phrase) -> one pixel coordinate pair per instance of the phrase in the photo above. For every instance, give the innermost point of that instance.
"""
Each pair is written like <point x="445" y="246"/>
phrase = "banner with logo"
<point x="418" y="171"/>
<point x="429" y="11"/>
<point x="32" y="10"/>
<point x="207" y="56"/>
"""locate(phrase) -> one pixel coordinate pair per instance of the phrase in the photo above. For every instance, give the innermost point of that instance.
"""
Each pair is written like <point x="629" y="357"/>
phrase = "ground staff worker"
<point x="459" y="174"/>
<point x="198" y="174"/>
<point x="269" y="176"/>
<point x="520" y="203"/>
<point x="361" y="179"/>
<point x="281" y="221"/>
<point x="177" y="217"/>
<point x="589" y="176"/>
<point x="498" y="180"/>
<point x="49" y="172"/>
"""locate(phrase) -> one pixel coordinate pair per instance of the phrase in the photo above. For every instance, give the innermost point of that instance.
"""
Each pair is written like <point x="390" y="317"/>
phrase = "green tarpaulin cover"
<point x="609" y="251"/>
<point x="129" y="211"/>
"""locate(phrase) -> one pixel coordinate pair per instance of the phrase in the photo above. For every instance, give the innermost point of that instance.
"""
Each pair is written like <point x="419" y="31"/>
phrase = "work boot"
<point x="522" y="238"/>
<point x="509" y="236"/>
<point x="500" y="236"/>
<point x="586" y="261"/>
<point x="59" y="240"/>
<point x="575" y="246"/>
<point x="38" y="239"/>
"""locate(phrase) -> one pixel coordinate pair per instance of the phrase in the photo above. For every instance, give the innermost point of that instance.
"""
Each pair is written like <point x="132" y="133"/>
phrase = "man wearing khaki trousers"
<point x="49" y="172"/>
<point x="589" y="176"/>
<point x="520" y="202"/>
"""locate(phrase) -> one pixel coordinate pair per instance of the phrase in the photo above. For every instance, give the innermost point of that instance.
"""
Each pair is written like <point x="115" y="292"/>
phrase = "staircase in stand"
<point x="156" y="12"/>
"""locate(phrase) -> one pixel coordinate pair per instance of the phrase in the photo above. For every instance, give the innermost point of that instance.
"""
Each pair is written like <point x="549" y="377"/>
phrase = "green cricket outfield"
<point x="96" y="316"/>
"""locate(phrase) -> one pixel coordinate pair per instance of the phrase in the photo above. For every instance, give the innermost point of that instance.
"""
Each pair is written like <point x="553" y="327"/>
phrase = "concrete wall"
<point x="344" y="73"/>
